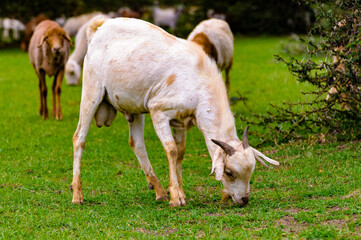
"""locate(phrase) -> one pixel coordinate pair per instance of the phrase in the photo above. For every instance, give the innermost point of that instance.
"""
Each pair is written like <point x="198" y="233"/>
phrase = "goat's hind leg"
<point x="91" y="98"/>
<point x="136" y="142"/>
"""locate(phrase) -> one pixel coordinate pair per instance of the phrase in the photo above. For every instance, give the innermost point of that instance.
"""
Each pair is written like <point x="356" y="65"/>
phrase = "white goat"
<point x="216" y="39"/>
<point x="213" y="14"/>
<point x="75" y="62"/>
<point x="12" y="24"/>
<point x="166" y="17"/>
<point x="73" y="24"/>
<point x="135" y="67"/>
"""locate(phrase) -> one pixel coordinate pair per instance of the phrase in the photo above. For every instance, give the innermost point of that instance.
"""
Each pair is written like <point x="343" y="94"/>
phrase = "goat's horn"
<point x="245" y="142"/>
<point x="225" y="146"/>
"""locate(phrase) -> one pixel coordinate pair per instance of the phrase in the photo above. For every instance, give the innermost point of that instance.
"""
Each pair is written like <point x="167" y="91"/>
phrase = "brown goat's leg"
<point x="136" y="141"/>
<point x="227" y="76"/>
<point x="43" y="110"/>
<point x="163" y="130"/>
<point x="57" y="89"/>
<point x="53" y="111"/>
<point x="91" y="98"/>
<point x="180" y="139"/>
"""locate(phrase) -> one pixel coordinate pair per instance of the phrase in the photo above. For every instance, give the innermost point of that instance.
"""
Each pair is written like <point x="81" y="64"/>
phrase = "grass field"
<point x="314" y="194"/>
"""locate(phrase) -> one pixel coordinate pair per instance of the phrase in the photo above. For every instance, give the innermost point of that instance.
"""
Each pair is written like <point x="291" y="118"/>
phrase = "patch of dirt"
<point x="338" y="223"/>
<point x="334" y="209"/>
<point x="291" y="225"/>
<point x="200" y="234"/>
<point x="354" y="194"/>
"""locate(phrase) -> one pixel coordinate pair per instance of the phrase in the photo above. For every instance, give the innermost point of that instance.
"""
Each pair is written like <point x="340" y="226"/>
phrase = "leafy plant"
<point x="333" y="109"/>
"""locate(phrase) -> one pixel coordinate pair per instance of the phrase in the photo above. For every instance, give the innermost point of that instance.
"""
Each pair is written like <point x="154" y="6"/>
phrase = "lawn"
<point x="314" y="193"/>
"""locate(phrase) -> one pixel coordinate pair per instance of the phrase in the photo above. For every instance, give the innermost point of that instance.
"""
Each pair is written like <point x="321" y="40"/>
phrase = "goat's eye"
<point x="229" y="173"/>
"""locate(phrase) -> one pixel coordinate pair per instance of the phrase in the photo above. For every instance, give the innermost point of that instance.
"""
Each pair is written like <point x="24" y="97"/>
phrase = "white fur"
<point x="136" y="68"/>
<point x="12" y="24"/>
<point x="73" y="24"/>
<point x="75" y="62"/>
<point x="220" y="34"/>
<point x="167" y="17"/>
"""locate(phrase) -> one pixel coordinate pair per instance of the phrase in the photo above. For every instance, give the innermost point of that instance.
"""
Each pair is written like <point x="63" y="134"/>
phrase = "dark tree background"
<point x="245" y="16"/>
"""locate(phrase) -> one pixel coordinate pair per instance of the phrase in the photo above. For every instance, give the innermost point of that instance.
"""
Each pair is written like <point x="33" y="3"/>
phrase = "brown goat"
<point x="48" y="53"/>
<point x="29" y="30"/>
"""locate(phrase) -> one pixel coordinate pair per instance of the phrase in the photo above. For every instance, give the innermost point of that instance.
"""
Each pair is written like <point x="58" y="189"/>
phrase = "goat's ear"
<point x="67" y="37"/>
<point x="258" y="154"/>
<point x="218" y="164"/>
<point x="213" y="52"/>
<point x="42" y="40"/>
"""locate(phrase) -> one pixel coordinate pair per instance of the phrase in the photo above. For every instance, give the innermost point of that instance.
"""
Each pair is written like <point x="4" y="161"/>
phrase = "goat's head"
<point x="234" y="165"/>
<point x="72" y="72"/>
<point x="55" y="39"/>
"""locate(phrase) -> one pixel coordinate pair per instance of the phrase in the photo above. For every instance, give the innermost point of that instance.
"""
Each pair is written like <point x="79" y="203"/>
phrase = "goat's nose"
<point x="56" y="49"/>
<point x="245" y="200"/>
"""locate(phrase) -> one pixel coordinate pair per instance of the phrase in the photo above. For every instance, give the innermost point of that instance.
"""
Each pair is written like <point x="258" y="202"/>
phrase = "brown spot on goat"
<point x="202" y="40"/>
<point x="171" y="79"/>
<point x="131" y="143"/>
<point x="161" y="194"/>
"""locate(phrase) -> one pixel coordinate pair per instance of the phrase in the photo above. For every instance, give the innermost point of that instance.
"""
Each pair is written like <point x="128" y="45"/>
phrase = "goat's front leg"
<point x="180" y="139"/>
<point x="136" y="142"/>
<point x="43" y="109"/>
<point x="56" y="88"/>
<point x="91" y="98"/>
<point x="163" y="130"/>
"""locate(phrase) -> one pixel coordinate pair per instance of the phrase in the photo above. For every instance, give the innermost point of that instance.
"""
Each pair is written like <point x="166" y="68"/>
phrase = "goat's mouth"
<point x="242" y="202"/>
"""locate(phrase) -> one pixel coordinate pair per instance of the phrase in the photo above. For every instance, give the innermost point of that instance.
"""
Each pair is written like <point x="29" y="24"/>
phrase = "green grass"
<point x="313" y="194"/>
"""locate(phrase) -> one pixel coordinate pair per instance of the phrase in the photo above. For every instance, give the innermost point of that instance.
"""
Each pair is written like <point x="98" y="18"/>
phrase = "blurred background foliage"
<point x="249" y="17"/>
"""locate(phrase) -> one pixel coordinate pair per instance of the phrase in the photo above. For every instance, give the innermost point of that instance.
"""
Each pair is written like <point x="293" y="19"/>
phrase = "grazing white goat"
<point x="75" y="62"/>
<point x="73" y="24"/>
<point x="166" y="17"/>
<point x="135" y="67"/>
<point x="48" y="52"/>
<point x="12" y="24"/>
<point x="216" y="39"/>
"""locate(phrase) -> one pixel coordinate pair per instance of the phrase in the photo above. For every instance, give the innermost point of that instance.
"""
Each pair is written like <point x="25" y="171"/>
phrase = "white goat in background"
<point x="167" y="17"/>
<point x="75" y="62"/>
<point x="12" y="24"/>
<point x="216" y="39"/>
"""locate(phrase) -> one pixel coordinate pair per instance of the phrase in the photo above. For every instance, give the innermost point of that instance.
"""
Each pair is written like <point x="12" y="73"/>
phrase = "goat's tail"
<point x="93" y="26"/>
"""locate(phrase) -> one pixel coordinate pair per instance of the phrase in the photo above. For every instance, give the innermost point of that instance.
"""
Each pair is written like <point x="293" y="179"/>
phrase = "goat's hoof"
<point x="162" y="198"/>
<point x="150" y="186"/>
<point x="78" y="202"/>
<point x="71" y="187"/>
<point x="177" y="203"/>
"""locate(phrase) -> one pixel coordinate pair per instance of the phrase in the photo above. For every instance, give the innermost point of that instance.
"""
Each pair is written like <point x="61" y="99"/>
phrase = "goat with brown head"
<point x="48" y="52"/>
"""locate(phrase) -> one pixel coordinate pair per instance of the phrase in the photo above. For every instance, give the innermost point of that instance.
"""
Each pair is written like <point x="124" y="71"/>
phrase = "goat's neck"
<point x="215" y="120"/>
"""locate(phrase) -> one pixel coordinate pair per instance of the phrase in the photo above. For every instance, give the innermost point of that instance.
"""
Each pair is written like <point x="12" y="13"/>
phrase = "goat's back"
<point x="135" y="60"/>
